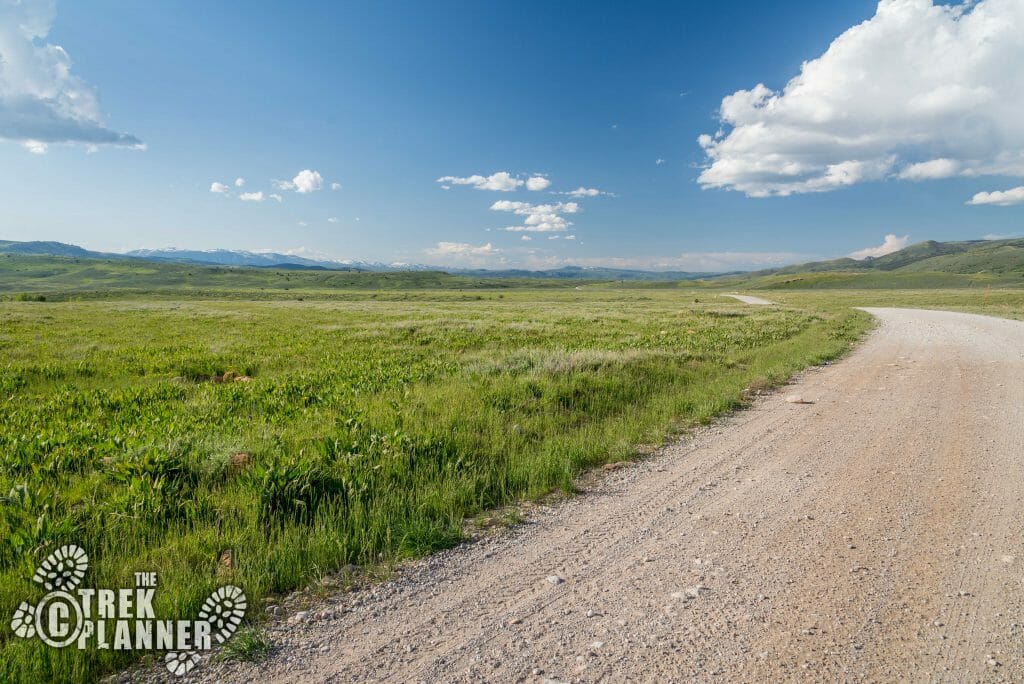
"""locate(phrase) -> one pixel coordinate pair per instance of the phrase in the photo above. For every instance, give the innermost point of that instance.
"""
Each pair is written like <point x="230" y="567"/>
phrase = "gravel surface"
<point x="873" y="531"/>
<point x="747" y="299"/>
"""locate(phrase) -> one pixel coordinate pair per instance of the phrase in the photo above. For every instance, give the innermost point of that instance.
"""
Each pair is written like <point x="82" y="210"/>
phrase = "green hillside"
<point x="926" y="265"/>
<point x="55" y="277"/>
<point x="997" y="257"/>
<point x="931" y="264"/>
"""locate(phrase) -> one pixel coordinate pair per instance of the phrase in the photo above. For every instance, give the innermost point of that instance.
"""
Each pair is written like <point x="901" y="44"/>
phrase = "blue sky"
<point x="114" y="140"/>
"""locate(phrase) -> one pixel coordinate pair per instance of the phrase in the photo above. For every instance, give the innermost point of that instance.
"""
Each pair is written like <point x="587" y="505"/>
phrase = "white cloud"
<point x="40" y="99"/>
<point x="659" y="161"/>
<point x="1002" y="198"/>
<point x="302" y="224"/>
<point x="219" y="188"/>
<point x="274" y="196"/>
<point x="919" y="90"/>
<point x="308" y="181"/>
<point x="251" y="196"/>
<point x="333" y="219"/>
<point x="570" y="237"/>
<point x="305" y="181"/>
<point x="537" y="183"/>
<point x="931" y="170"/>
<point x="34" y="146"/>
<point x="890" y="244"/>
<point x="526" y="238"/>
<point x="585" y="192"/>
<point x="540" y="218"/>
<point x="461" y="249"/>
<point x="335" y="186"/>
<point x="239" y="182"/>
<point x="502" y="181"/>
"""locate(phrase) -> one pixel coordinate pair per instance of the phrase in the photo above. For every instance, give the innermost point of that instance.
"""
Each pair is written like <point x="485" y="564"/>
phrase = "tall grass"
<point x="367" y="433"/>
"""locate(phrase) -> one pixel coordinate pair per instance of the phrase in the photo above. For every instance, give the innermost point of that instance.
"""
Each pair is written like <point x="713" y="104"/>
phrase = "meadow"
<point x="270" y="427"/>
<point x="270" y="443"/>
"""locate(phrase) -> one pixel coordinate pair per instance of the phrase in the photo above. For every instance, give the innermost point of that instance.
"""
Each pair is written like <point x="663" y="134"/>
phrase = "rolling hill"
<point x="243" y="258"/>
<point x="923" y="265"/>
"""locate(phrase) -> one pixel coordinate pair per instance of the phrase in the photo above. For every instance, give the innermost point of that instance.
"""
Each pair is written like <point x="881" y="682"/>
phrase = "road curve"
<point x="749" y="299"/>
<point x="876" y="534"/>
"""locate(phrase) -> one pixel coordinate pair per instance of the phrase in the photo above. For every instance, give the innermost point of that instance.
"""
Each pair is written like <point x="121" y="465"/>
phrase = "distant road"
<point x="875" y="533"/>
<point x="747" y="299"/>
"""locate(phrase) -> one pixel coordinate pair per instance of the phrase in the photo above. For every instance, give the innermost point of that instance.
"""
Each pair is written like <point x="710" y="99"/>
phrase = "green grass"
<point x="249" y="644"/>
<point x="379" y="412"/>
<point x="52" y="278"/>
<point x="370" y="431"/>
<point x="874" y="280"/>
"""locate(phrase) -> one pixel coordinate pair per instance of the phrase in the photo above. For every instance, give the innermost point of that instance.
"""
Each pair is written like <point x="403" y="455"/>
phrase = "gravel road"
<point x="875" y="533"/>
<point x="748" y="299"/>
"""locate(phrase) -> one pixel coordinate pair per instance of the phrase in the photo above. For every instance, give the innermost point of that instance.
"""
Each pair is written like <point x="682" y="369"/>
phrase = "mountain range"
<point x="997" y="260"/>
<point x="242" y="258"/>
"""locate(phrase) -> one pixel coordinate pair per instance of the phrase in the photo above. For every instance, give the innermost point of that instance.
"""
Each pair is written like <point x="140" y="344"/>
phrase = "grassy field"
<point x="366" y="433"/>
<point x="168" y="416"/>
<point x="50" y="278"/>
<point x="874" y="280"/>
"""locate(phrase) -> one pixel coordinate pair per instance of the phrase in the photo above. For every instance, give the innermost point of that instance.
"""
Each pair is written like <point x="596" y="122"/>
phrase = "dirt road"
<point x="876" y="534"/>
<point x="748" y="299"/>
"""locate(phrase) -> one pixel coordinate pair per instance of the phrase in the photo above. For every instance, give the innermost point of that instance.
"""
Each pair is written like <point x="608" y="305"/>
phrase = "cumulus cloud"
<point x="239" y="182"/>
<point x="219" y="188"/>
<point x="335" y="186"/>
<point x="1002" y="198"/>
<point x="918" y="91"/>
<point x="41" y="101"/>
<point x="305" y="181"/>
<point x="333" y="219"/>
<point x="540" y="218"/>
<point x="502" y="181"/>
<point x="251" y="196"/>
<point x="274" y="196"/>
<point x="526" y="238"/>
<point x="931" y="170"/>
<point x="537" y="183"/>
<point x="461" y="249"/>
<point x="890" y="244"/>
<point x="585" y="192"/>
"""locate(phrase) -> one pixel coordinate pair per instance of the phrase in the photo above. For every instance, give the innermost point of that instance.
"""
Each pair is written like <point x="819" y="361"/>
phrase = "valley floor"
<point x="873" y="533"/>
